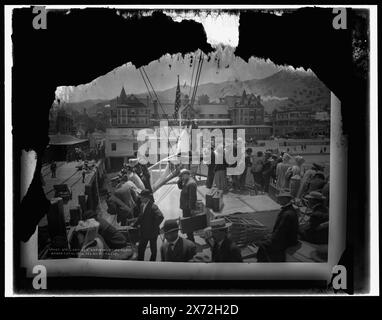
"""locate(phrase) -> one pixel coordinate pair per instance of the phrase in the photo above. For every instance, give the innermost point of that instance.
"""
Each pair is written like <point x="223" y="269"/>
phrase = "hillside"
<point x="278" y="90"/>
<point x="86" y="104"/>
<point x="298" y="88"/>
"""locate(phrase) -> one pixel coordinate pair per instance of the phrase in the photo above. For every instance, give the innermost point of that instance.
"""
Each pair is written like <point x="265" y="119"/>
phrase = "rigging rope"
<point x="147" y="87"/>
<point x="193" y="88"/>
<point x="197" y="78"/>
<point x="192" y="78"/>
<point x="165" y="114"/>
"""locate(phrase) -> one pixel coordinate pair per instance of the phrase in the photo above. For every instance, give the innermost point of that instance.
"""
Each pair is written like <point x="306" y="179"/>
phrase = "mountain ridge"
<point x="284" y="87"/>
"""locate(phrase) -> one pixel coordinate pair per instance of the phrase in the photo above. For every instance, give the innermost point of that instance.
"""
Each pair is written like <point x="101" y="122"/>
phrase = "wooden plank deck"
<point x="66" y="173"/>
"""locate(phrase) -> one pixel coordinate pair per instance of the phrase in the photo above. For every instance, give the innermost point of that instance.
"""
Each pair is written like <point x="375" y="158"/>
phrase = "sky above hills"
<point x="222" y="65"/>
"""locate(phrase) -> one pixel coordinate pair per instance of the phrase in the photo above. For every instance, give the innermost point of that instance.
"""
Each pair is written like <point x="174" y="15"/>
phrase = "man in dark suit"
<point x="188" y="196"/>
<point x="211" y="169"/>
<point x="267" y="170"/>
<point x="149" y="219"/>
<point x="284" y="234"/>
<point x="176" y="248"/>
<point x="223" y="249"/>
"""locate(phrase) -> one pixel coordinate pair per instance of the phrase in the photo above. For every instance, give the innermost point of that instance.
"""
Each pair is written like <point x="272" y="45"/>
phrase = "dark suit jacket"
<point x="267" y="168"/>
<point x="188" y="195"/>
<point x="284" y="235"/>
<point x="183" y="251"/>
<point x="227" y="252"/>
<point x="149" y="221"/>
<point x="211" y="170"/>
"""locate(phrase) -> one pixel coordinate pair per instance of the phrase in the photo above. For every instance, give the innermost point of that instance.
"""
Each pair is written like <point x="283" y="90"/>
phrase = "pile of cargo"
<point x="214" y="199"/>
<point x="246" y="229"/>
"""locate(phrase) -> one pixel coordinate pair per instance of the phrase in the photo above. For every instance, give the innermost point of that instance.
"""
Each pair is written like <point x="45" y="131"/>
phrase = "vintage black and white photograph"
<point x="109" y="202"/>
<point x="190" y="144"/>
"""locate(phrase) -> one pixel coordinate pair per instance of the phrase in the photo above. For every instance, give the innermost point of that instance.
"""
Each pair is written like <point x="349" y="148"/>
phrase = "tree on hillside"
<point x="203" y="99"/>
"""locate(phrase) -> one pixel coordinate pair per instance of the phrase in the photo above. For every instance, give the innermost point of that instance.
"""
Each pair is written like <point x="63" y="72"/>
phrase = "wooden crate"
<point x="191" y="224"/>
<point x="246" y="230"/>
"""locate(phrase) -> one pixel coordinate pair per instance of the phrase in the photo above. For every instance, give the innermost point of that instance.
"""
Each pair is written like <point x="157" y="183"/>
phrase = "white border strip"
<point x="374" y="169"/>
<point x="374" y="268"/>
<point x="190" y="7"/>
<point x="8" y="156"/>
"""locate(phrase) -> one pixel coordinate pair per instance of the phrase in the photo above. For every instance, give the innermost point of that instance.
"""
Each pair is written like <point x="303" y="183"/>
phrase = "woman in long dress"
<point x="220" y="178"/>
<point x="295" y="172"/>
<point x="281" y="170"/>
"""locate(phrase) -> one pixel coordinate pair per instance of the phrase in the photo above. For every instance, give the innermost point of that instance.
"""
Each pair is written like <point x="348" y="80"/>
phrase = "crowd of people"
<point x="267" y="168"/>
<point x="295" y="186"/>
<point x="133" y="204"/>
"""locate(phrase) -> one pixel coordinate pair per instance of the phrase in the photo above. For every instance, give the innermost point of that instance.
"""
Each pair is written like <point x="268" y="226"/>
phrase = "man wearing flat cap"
<point x="149" y="220"/>
<point x="175" y="248"/>
<point x="188" y="196"/>
<point x="284" y="234"/>
<point x="223" y="249"/>
<point x="317" y="229"/>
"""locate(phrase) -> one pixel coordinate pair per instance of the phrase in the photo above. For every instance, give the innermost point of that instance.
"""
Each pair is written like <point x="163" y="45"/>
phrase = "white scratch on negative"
<point x="28" y="167"/>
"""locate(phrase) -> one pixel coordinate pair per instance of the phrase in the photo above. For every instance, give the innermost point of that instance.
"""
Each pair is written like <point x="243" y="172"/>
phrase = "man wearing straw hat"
<point x="223" y="249"/>
<point x="317" y="230"/>
<point x="317" y="183"/>
<point x="284" y="233"/>
<point x="175" y="248"/>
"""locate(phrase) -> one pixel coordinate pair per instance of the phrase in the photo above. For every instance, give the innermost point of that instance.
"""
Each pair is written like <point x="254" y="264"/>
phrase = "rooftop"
<point x="169" y="108"/>
<point x="64" y="139"/>
<point x="211" y="109"/>
<point x="235" y="126"/>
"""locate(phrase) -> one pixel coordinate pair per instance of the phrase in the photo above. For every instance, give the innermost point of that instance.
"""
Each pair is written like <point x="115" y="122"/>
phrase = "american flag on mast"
<point x="177" y="101"/>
